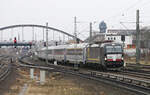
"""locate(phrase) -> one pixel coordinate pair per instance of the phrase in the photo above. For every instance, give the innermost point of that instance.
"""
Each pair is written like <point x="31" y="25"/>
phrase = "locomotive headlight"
<point x="122" y="58"/>
<point x="105" y="58"/>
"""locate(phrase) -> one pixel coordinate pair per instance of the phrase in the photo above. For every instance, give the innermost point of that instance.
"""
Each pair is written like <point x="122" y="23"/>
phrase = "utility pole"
<point x="33" y="33"/>
<point x="47" y="42"/>
<point x="18" y="37"/>
<point x="43" y="34"/>
<point x="53" y="35"/>
<point x="2" y="36"/>
<point x="12" y="34"/>
<point x="75" y="39"/>
<point x="137" y="38"/>
<point x="90" y="37"/>
<point x="22" y="34"/>
<point x="63" y="38"/>
<point x="75" y="28"/>
<point x="35" y="37"/>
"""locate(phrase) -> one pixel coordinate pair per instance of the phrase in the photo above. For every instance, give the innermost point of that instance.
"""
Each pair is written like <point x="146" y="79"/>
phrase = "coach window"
<point x="114" y="38"/>
<point x="108" y="38"/>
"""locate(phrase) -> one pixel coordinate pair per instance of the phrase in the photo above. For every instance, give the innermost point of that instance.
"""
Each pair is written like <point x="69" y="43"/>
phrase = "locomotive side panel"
<point x="93" y="55"/>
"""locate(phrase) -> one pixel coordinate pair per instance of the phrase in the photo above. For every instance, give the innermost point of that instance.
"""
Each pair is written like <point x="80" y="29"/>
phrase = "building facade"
<point x="115" y="35"/>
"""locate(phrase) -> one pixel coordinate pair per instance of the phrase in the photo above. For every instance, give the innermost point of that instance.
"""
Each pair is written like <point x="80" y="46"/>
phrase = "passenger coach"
<point x="105" y="55"/>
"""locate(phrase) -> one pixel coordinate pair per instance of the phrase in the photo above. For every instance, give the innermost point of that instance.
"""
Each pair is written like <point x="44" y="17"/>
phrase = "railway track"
<point x="5" y="68"/>
<point x="140" y="65"/>
<point x="138" y="68"/>
<point x="136" y="74"/>
<point x="141" y="87"/>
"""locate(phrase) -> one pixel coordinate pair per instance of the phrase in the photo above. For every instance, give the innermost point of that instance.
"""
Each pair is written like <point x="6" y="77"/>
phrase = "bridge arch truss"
<point x="38" y="26"/>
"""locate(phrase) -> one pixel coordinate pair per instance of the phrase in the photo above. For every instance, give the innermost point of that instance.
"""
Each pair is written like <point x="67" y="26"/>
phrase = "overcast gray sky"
<point x="60" y="13"/>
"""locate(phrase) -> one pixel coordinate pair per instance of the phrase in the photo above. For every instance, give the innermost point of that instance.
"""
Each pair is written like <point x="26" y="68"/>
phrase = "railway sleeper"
<point x="105" y="75"/>
<point x="127" y="80"/>
<point x="145" y="84"/>
<point x="93" y="73"/>
<point x="112" y="76"/>
<point x="99" y="74"/>
<point x="136" y="82"/>
<point x="120" y="78"/>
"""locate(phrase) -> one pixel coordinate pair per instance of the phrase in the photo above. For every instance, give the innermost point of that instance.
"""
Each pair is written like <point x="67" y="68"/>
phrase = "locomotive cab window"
<point x="110" y="49"/>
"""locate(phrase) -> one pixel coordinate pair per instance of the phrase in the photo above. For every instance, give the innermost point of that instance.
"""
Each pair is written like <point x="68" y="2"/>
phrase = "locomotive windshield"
<point x="112" y="49"/>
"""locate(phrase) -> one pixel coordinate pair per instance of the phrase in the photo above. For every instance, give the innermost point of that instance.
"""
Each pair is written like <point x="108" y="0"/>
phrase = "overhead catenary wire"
<point x="126" y="12"/>
<point x="145" y="4"/>
<point x="120" y="13"/>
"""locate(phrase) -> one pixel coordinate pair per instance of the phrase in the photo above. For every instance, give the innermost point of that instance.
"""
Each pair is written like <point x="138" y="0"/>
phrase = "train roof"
<point x="81" y="45"/>
<point x="70" y="46"/>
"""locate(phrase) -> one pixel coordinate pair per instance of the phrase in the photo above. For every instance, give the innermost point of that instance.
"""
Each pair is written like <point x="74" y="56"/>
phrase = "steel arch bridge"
<point x="39" y="26"/>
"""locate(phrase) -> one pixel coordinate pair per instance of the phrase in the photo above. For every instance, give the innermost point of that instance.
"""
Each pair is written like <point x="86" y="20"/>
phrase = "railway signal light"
<point x="44" y="44"/>
<point x="15" y="41"/>
<point x="56" y="43"/>
<point x="30" y="44"/>
<point x="78" y="41"/>
<point x="123" y="38"/>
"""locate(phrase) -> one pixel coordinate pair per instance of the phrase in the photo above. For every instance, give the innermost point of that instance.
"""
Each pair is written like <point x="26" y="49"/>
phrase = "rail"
<point x="132" y="84"/>
<point x="5" y="73"/>
<point x="136" y="74"/>
<point x="5" y="69"/>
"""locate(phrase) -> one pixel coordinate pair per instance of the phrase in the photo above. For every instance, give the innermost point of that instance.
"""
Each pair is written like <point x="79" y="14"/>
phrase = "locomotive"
<point x="105" y="55"/>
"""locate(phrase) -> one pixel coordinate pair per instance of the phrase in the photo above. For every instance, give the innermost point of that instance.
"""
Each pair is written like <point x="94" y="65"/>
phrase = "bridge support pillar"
<point x="42" y="76"/>
<point x="32" y="73"/>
